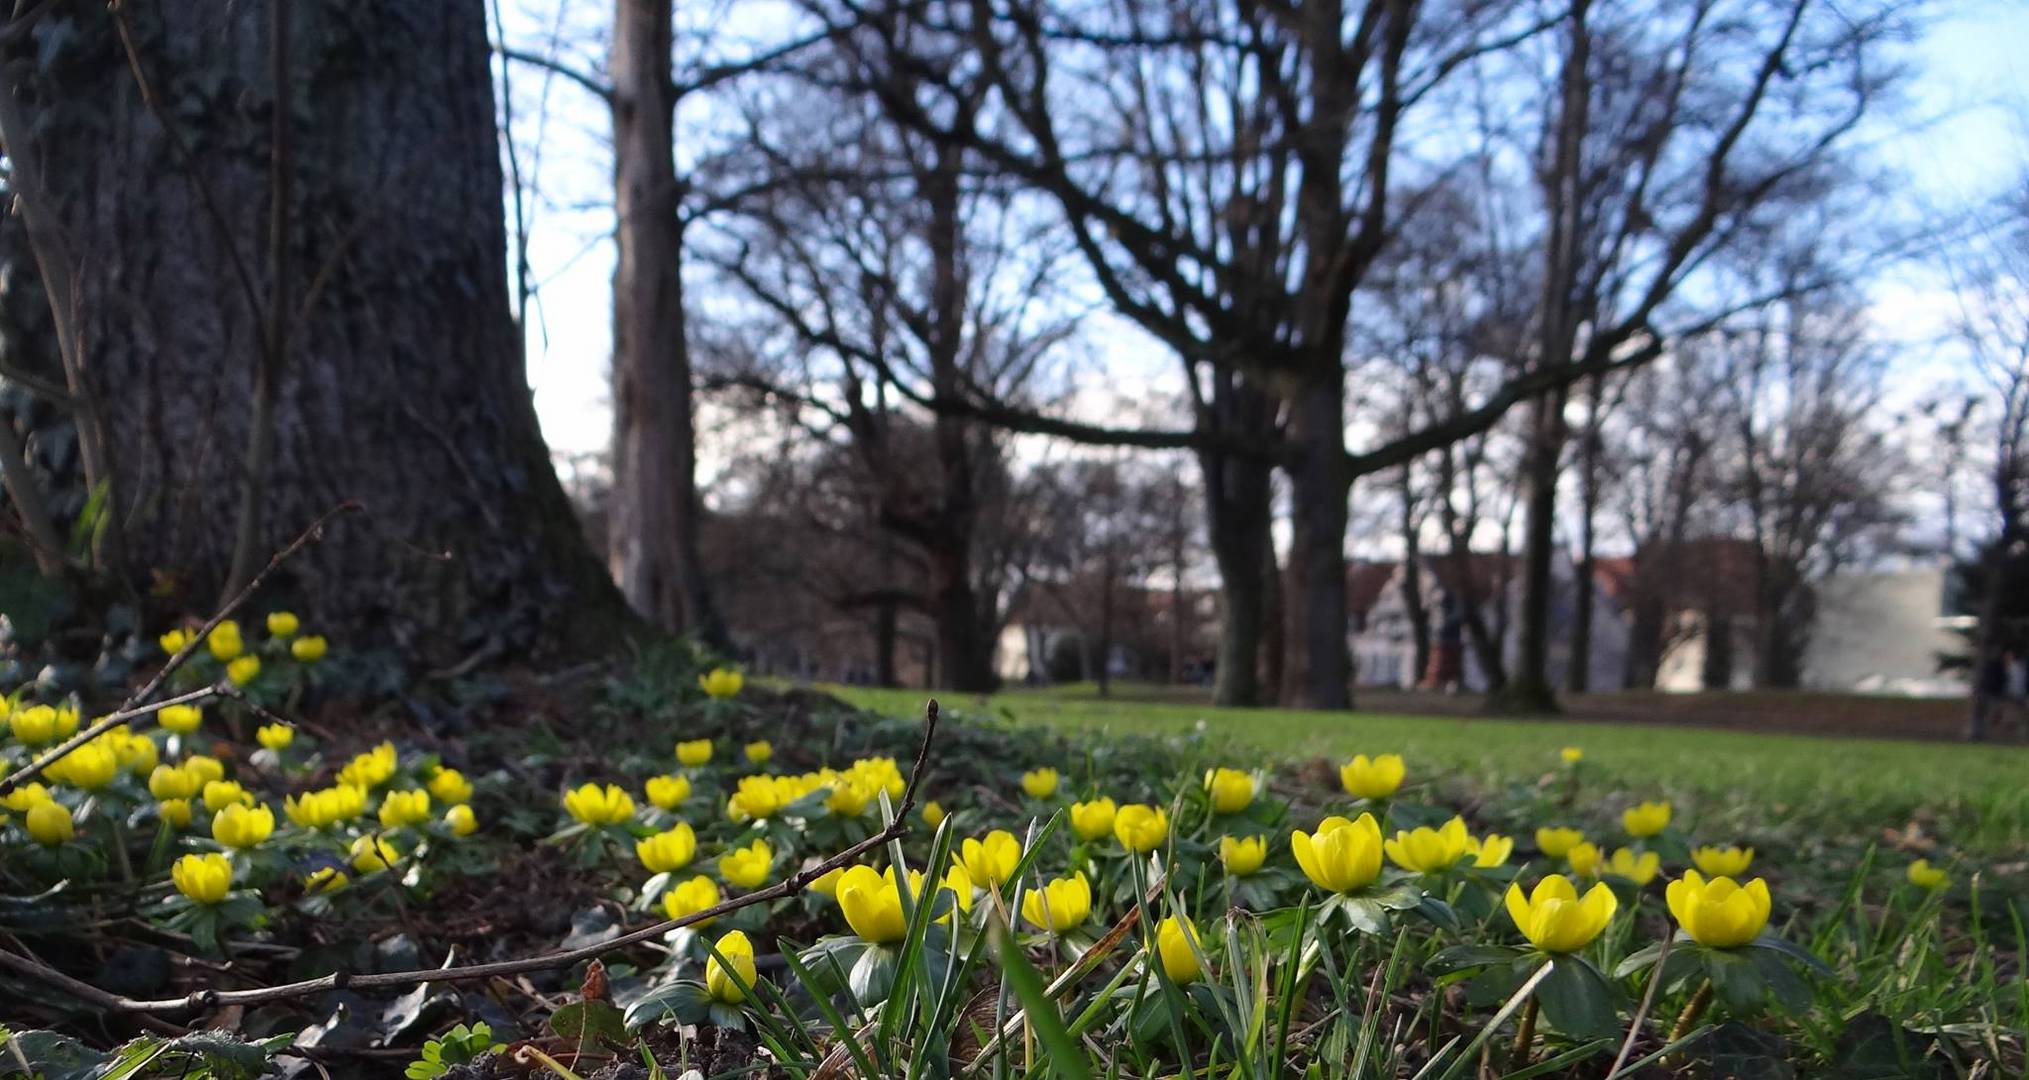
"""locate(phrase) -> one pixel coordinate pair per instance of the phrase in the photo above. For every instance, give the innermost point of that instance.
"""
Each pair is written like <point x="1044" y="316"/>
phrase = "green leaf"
<point x="873" y="975"/>
<point x="1365" y="915"/>
<point x="1468" y="957"/>
<point x="1736" y="978"/>
<point x="587" y="1021"/>
<point x="1771" y="943"/>
<point x="1577" y="1000"/>
<point x="1067" y="1057"/>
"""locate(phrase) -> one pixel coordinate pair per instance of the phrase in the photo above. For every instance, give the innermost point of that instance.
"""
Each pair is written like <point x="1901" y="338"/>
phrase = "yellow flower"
<point x="989" y="862"/>
<point x="1176" y="942"/>
<point x="24" y="798"/>
<point x="1722" y="861"/>
<point x="1557" y="843"/>
<point x="326" y="807"/>
<point x="404" y="808"/>
<point x="933" y="813"/>
<point x="1572" y="755"/>
<point x="747" y="867"/>
<point x="1242" y="856"/>
<point x="739" y="953"/>
<point x="1372" y="779"/>
<point x="461" y="820"/>
<point x="721" y="683"/>
<point x="881" y="772"/>
<point x="1429" y="851"/>
<point x="34" y="725"/>
<point x="848" y="798"/>
<point x="665" y="792"/>
<point x="219" y="794"/>
<point x="595" y="805"/>
<point x="372" y="854"/>
<point x="137" y="753"/>
<point x="371" y="769"/>
<point x="759" y="752"/>
<point x="276" y="737"/>
<point x="687" y="898"/>
<point x="1491" y="850"/>
<point x="956" y="882"/>
<point x="49" y="823"/>
<point x="1584" y="859"/>
<point x="826" y="884"/>
<point x="1553" y="917"/>
<point x="667" y="850"/>
<point x="224" y="641"/>
<point x="1040" y="783"/>
<point x="756" y="798"/>
<point x="205" y="768"/>
<point x="1720" y="913"/>
<point x="694" y="752"/>
<point x="1925" y="876"/>
<point x="872" y="904"/>
<point x="1640" y="869"/>
<point x="204" y="878"/>
<point x="91" y="766"/>
<point x="1092" y="820"/>
<point x="325" y="879"/>
<point x="449" y="786"/>
<point x="1141" y="828"/>
<point x="175" y="811"/>
<point x="1646" y="819"/>
<point x="238" y="826"/>
<point x="1341" y="856"/>
<point x="283" y="624"/>
<point x="308" y="649"/>
<point x="1231" y="790"/>
<point x="1062" y="904"/>
<point x="174" y="641"/>
<point x="244" y="670"/>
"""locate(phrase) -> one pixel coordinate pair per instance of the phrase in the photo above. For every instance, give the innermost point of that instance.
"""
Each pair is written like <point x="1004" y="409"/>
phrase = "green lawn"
<point x="1970" y="797"/>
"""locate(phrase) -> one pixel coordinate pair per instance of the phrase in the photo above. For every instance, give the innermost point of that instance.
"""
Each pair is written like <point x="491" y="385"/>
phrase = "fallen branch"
<point x="133" y="707"/>
<point x="896" y="827"/>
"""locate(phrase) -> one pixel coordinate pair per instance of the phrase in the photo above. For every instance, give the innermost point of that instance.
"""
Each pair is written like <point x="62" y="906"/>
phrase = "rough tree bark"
<point x="652" y="543"/>
<point x="1237" y="513"/>
<point x="1320" y="482"/>
<point x="405" y="388"/>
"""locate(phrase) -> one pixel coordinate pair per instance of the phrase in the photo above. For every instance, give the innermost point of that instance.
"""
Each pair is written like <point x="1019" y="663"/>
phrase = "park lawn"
<point x="1973" y="798"/>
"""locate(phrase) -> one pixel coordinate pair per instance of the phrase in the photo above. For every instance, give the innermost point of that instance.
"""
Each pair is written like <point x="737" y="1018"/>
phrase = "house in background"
<point x="1881" y="632"/>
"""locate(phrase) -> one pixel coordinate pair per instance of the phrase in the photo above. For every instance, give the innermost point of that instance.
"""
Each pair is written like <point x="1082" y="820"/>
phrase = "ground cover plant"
<point x="653" y="868"/>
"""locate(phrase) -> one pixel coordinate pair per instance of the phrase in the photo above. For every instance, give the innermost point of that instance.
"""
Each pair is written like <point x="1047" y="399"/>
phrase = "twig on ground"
<point x="133" y="707"/>
<point x="789" y="886"/>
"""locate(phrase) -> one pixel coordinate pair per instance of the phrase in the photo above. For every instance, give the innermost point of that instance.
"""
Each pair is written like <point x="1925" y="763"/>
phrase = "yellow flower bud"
<point x="759" y="752"/>
<point x="224" y="641"/>
<point x="1720" y="913"/>
<point x="176" y="812"/>
<point x="205" y="768"/>
<point x="694" y="752"/>
<point x="667" y="792"/>
<point x="49" y="823"/>
<point x="238" y="826"/>
<point x="1242" y="856"/>
<point x="219" y="794"/>
<point x="308" y="649"/>
<point x="449" y="786"/>
<point x="667" y="850"/>
<point x="325" y="879"/>
<point x="933" y="813"/>
<point x="1722" y="862"/>
<point x="989" y="862"/>
<point x="24" y="798"/>
<point x="1093" y="820"/>
<point x="34" y="725"/>
<point x="1040" y="783"/>
<point x="244" y="670"/>
<point x="179" y="719"/>
<point x="1061" y="904"/>
<point x="1176" y="942"/>
<point x="1646" y="819"/>
<point x="721" y="683"/>
<point x="872" y="903"/>
<point x="276" y="737"/>
<point x="372" y="854"/>
<point x="1491" y="850"/>
<point x="1341" y="856"/>
<point x="461" y="820"/>
<point x="1558" y="842"/>
<point x="739" y="953"/>
<point x="595" y="805"/>
<point x="283" y="624"/>
<point x="404" y="808"/>
<point x="173" y="641"/>
<point x="747" y="867"/>
<point x="1925" y="876"/>
<point x="203" y="878"/>
<point x="1375" y="778"/>
<point x="687" y="898"/>
<point x="1553" y="917"/>
<point x="1430" y="851"/>
<point x="1640" y="869"/>
<point x="1141" y="828"/>
<point x="1230" y="790"/>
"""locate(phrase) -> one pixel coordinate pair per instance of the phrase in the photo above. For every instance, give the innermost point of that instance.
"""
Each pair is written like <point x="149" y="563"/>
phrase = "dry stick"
<point x="131" y="707"/>
<point x="344" y="980"/>
<point x="1648" y="1001"/>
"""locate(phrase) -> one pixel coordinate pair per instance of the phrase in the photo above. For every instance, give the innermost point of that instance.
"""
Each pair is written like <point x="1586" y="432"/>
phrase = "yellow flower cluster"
<point x="371" y="769"/>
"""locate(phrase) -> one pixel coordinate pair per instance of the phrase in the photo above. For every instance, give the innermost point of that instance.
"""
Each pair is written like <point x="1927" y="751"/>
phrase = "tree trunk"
<point x="652" y="536"/>
<point x="1104" y="671"/>
<point x="405" y="388"/>
<point x="1578" y="672"/>
<point x="1528" y="689"/>
<point x="1319" y="486"/>
<point x="1179" y="534"/>
<point x="1412" y="579"/>
<point x="1237" y="512"/>
<point x="1274" y="624"/>
<point x="885" y="619"/>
